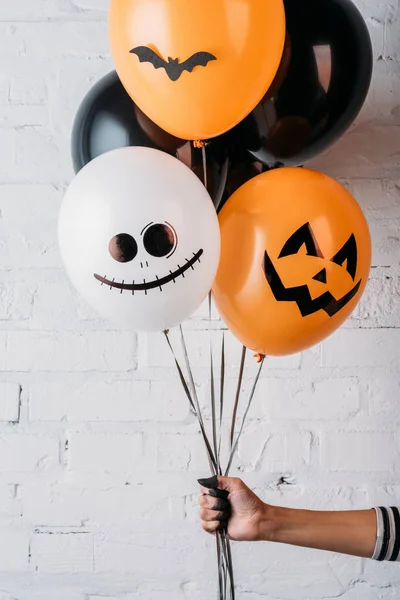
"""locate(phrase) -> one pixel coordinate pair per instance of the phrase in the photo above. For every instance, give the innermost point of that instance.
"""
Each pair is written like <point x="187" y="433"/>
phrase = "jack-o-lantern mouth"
<point x="301" y="294"/>
<point x="156" y="283"/>
<point x="172" y="66"/>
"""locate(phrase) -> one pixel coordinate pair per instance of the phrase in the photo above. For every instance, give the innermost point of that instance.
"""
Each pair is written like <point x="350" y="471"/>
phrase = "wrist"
<point x="269" y="524"/>
<point x="278" y="523"/>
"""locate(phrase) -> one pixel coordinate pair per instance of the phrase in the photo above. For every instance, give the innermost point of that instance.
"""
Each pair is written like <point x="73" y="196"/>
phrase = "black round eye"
<point x="160" y="240"/>
<point x="123" y="247"/>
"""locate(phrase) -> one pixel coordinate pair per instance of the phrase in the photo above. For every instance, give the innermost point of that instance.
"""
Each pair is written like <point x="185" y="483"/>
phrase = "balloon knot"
<point x="199" y="144"/>
<point x="259" y="358"/>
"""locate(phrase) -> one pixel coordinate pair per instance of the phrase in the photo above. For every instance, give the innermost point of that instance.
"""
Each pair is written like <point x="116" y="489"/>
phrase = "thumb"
<point x="230" y="484"/>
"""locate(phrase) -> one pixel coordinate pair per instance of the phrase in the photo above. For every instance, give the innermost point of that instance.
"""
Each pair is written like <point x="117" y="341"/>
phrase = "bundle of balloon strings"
<point x="224" y="555"/>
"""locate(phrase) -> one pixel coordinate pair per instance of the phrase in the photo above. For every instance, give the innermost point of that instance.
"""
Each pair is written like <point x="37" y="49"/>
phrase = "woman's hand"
<point x="244" y="514"/>
<point x="228" y="502"/>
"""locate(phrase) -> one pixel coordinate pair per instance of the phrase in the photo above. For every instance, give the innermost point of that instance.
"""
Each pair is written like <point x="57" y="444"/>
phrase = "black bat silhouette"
<point x="173" y="67"/>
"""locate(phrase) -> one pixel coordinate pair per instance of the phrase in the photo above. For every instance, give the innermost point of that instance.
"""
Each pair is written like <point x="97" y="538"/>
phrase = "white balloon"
<point x="140" y="238"/>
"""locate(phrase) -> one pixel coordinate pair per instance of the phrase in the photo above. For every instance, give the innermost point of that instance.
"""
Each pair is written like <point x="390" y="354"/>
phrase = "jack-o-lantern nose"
<point x="321" y="276"/>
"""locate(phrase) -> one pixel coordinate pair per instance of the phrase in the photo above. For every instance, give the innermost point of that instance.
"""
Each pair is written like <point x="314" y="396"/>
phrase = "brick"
<point x="355" y="154"/>
<point x="370" y="193"/>
<point x="383" y="105"/>
<point x="383" y="396"/>
<point x="58" y="302"/>
<point x="3" y="347"/>
<point x="68" y="593"/>
<point x="379" y="307"/>
<point x="52" y="506"/>
<point x="9" y="402"/>
<point x="260" y="450"/>
<point x="28" y="225"/>
<point x="386" y="236"/>
<point x="104" y="402"/>
<point x="54" y="9"/>
<point x="117" y="401"/>
<point x="64" y="39"/>
<point x="387" y="495"/>
<point x="14" y="551"/>
<point x="7" y="150"/>
<point x="75" y="77"/>
<point x="132" y="504"/>
<point x="9" y="501"/>
<point x="24" y="453"/>
<point x="46" y="163"/>
<point x="115" y="453"/>
<point x="333" y="398"/>
<point x="181" y="453"/>
<point x="365" y="452"/>
<point x="113" y="555"/>
<point x="70" y="351"/>
<point x="29" y="79"/>
<point x="69" y="552"/>
<point x="16" y="300"/>
<point x="362" y="348"/>
<point x="121" y="506"/>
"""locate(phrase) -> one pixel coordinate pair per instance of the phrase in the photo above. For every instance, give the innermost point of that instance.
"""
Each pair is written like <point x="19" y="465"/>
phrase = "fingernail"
<point x="210" y="483"/>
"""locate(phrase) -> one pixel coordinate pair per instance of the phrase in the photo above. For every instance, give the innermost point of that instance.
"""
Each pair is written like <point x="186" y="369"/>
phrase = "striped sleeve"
<point x="387" y="547"/>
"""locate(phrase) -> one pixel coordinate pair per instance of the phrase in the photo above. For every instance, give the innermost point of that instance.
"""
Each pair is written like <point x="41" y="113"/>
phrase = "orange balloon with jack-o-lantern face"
<point x="296" y="254"/>
<point x="197" y="67"/>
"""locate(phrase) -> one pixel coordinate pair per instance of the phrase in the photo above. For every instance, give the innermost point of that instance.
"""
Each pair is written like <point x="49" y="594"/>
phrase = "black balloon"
<point x="242" y="168"/>
<point x="319" y="89"/>
<point x="109" y="119"/>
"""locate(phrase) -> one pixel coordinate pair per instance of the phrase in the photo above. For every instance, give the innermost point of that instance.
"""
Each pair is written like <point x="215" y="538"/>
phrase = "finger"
<point x="212" y="515"/>
<point x="211" y="526"/>
<point x="223" y="525"/>
<point x="215" y="493"/>
<point x="212" y="484"/>
<point x="219" y="494"/>
<point x="208" y="501"/>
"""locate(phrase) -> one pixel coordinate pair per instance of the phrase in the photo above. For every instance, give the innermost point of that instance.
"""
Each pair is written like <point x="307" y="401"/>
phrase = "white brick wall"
<point x="99" y="453"/>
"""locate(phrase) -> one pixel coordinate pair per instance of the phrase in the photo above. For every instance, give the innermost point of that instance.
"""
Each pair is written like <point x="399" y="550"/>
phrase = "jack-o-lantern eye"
<point x="348" y="254"/>
<point x="160" y="240"/>
<point x="123" y="247"/>
<point x="304" y="236"/>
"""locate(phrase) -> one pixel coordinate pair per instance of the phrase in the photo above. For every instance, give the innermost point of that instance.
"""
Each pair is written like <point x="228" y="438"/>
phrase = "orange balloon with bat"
<point x="296" y="255"/>
<point x="197" y="67"/>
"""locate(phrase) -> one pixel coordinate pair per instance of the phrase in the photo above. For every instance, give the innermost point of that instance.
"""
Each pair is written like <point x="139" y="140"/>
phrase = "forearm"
<point x="351" y="532"/>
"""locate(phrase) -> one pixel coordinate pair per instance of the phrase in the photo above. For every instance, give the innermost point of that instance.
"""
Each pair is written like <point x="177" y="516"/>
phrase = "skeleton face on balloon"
<point x="140" y="238"/>
<point x="159" y="240"/>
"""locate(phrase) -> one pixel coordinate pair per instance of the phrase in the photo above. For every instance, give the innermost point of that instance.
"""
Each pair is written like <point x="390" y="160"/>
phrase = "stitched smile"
<point x="157" y="283"/>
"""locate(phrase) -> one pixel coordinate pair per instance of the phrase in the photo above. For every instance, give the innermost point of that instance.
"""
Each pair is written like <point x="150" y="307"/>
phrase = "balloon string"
<point x="221" y="397"/>
<point x="196" y="401"/>
<point x="212" y="390"/>
<point x="225" y="565"/>
<point x="194" y="404"/>
<point x="204" y="156"/>
<point x="230" y="563"/>
<point x="223" y="559"/>
<point x="221" y="569"/>
<point x="237" y="397"/>
<point x="244" y="417"/>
